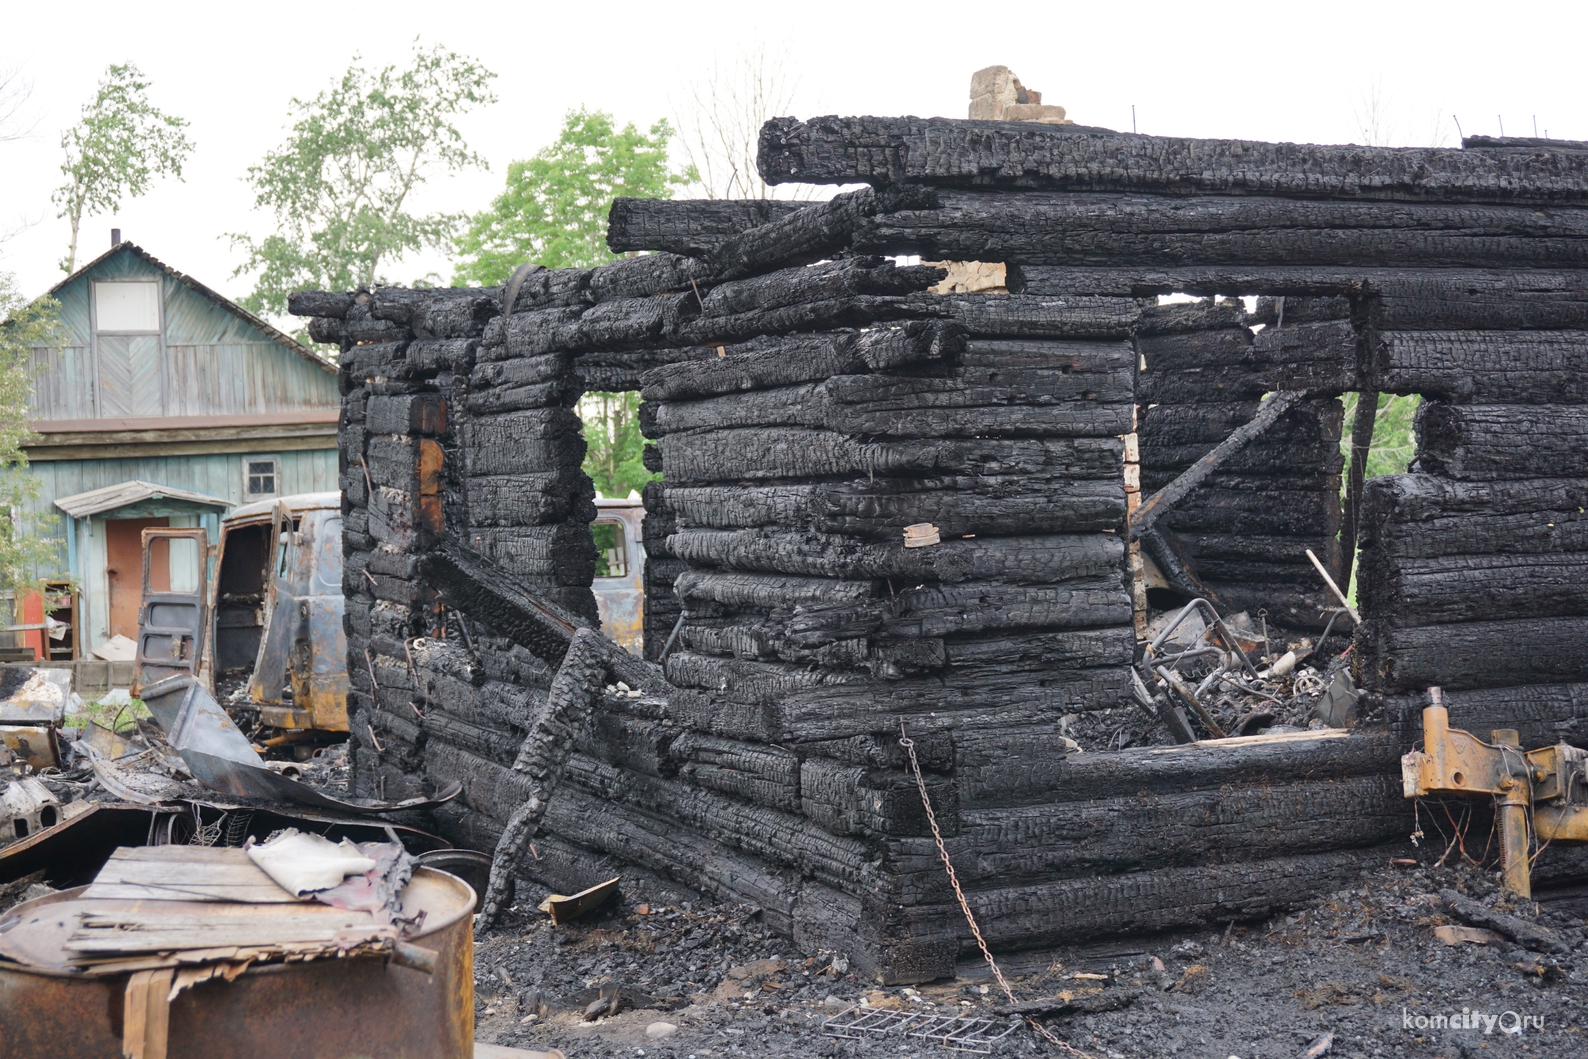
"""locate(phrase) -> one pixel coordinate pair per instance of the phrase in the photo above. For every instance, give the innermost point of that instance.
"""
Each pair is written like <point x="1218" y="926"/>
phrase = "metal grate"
<point x="966" y="1033"/>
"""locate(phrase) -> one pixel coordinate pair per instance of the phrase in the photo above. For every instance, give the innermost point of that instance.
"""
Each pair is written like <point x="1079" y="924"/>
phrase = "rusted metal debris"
<point x="1536" y="793"/>
<point x="566" y="909"/>
<point x="88" y="972"/>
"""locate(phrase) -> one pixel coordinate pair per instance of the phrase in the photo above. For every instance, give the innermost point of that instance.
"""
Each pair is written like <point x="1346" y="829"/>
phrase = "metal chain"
<point x="964" y="905"/>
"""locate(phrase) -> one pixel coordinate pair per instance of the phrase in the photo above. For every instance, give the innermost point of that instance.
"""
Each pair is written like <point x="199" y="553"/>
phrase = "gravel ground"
<point x="1363" y="965"/>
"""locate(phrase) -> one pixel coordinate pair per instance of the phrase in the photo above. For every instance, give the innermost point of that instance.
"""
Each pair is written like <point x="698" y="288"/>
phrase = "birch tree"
<point x="117" y="149"/>
<point x="340" y="187"/>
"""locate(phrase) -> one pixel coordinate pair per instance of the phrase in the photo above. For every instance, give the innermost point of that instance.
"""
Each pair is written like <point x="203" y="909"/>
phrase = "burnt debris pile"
<point x="900" y="494"/>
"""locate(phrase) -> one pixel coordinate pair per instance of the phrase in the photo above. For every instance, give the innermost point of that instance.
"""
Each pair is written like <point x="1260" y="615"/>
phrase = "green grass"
<point x="120" y="717"/>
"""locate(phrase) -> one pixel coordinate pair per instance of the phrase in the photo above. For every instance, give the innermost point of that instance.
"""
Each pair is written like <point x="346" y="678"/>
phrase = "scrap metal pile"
<point x="881" y="503"/>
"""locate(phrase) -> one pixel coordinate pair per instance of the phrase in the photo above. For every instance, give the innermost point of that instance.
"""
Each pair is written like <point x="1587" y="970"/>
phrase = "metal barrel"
<point x="325" y="1009"/>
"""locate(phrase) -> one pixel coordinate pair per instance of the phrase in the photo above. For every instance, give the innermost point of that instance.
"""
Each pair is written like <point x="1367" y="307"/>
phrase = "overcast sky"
<point x="1274" y="71"/>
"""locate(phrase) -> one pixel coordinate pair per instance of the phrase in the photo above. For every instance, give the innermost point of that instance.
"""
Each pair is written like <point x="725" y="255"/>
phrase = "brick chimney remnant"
<point x="996" y="94"/>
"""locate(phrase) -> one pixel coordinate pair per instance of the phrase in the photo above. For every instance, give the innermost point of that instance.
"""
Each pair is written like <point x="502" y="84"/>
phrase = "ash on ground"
<point x="1364" y="965"/>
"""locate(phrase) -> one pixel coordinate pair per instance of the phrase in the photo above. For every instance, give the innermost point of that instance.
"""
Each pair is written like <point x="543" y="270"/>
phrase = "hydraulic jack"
<point x="1545" y="788"/>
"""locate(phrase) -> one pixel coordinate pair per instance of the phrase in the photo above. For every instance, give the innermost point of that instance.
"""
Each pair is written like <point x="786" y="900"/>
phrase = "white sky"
<point x="1275" y="71"/>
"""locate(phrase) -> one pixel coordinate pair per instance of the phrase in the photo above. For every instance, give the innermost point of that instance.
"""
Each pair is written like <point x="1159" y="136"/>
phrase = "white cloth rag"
<point x="301" y="864"/>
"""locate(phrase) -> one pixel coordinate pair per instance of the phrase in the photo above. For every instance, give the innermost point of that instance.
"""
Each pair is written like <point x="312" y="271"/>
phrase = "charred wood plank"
<point x="685" y="226"/>
<point x="488" y="592"/>
<point x="1544" y="714"/>
<point x="1521" y="367"/>
<point x="1037" y="560"/>
<point x="1019" y="316"/>
<point x="881" y="509"/>
<point x="1164" y="499"/>
<point x="1234" y="823"/>
<point x="1419" y="516"/>
<point x="804" y="236"/>
<point x="770" y="453"/>
<point x="944" y="151"/>
<point x="1460" y="588"/>
<point x="766" y="363"/>
<point x="1478" y="654"/>
<point x="1492" y="442"/>
<point x="825" y="281"/>
<point x="1113" y="230"/>
<point x="979" y="402"/>
<point x="1011" y="766"/>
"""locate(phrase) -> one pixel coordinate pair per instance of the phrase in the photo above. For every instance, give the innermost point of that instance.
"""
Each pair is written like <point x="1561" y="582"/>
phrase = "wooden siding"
<point x="209" y="361"/>
<point x="221" y="476"/>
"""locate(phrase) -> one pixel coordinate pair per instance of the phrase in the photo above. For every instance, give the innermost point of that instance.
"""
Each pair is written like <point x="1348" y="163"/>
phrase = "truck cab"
<point x="276" y="638"/>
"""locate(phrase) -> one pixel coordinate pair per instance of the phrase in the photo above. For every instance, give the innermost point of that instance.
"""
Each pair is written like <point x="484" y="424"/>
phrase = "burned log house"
<point x="807" y="398"/>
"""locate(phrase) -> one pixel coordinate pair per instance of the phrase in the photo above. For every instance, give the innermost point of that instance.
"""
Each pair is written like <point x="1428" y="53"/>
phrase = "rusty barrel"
<point x="324" y="1009"/>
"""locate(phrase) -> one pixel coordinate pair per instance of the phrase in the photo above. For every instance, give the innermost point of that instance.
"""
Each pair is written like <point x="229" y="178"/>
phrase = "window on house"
<point x="127" y="306"/>
<point x="261" y="478"/>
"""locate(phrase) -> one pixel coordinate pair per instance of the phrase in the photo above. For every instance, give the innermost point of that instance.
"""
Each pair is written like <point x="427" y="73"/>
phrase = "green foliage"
<point x="554" y="211"/>
<point x="614" y="446"/>
<point x="116" y="149"/>
<point x="27" y="551"/>
<point x="339" y="187"/>
<point x="1394" y="444"/>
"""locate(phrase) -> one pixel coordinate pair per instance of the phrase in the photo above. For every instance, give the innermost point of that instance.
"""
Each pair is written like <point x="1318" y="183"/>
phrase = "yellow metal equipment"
<point x="1548" y="785"/>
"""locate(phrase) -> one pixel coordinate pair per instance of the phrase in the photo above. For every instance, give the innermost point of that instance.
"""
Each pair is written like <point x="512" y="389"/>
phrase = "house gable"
<point x="205" y="357"/>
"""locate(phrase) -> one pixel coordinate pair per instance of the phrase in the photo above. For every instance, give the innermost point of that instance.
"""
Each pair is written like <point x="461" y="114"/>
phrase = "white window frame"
<point x="248" y="473"/>
<point x="159" y="309"/>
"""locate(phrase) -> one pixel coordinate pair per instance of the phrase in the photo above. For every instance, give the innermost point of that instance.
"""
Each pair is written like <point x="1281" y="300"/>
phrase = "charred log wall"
<point x="1248" y="527"/>
<point x="807" y="402"/>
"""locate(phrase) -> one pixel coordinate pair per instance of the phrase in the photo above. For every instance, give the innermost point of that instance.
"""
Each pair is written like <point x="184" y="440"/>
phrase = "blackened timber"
<point x="1060" y="228"/>
<point x="979" y="402"/>
<point x="1031" y="560"/>
<point x="819" y="282"/>
<point x="1399" y="299"/>
<point x="1017" y="315"/>
<point x="490" y="593"/>
<point x="804" y="236"/>
<point x="1458" y="588"/>
<point x="1477" y="654"/>
<point x="945" y="151"/>
<point x="1006" y="768"/>
<point x="1489" y="442"/>
<point x="1544" y="713"/>
<point x="881" y="508"/>
<point x="764" y="363"/>
<point x="1419" y="516"/>
<point x="686" y="226"/>
<point x="1164" y="500"/>
<point x="769" y="453"/>
<point x="1506" y="367"/>
<point x="1236" y="823"/>
<point x="542" y="757"/>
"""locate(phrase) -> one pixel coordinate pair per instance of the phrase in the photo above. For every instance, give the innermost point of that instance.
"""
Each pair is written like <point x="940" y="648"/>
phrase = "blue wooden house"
<point x="165" y="405"/>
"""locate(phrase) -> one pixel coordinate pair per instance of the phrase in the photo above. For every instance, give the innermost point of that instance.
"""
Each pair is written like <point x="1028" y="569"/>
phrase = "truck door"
<point x="171" y="620"/>
<point x="281" y="613"/>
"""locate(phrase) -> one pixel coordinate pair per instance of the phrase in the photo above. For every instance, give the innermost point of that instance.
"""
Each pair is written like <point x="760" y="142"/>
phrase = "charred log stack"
<point x="816" y="414"/>
<point x="1246" y="530"/>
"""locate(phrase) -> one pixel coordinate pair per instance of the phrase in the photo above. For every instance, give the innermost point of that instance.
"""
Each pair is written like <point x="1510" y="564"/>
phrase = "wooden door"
<point x="131" y="382"/>
<point x="123" y="567"/>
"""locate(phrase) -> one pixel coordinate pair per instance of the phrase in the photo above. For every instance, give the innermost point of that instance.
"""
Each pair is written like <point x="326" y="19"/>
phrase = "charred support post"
<point x="544" y="754"/>
<point x="483" y="590"/>
<point x="1361" y="445"/>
